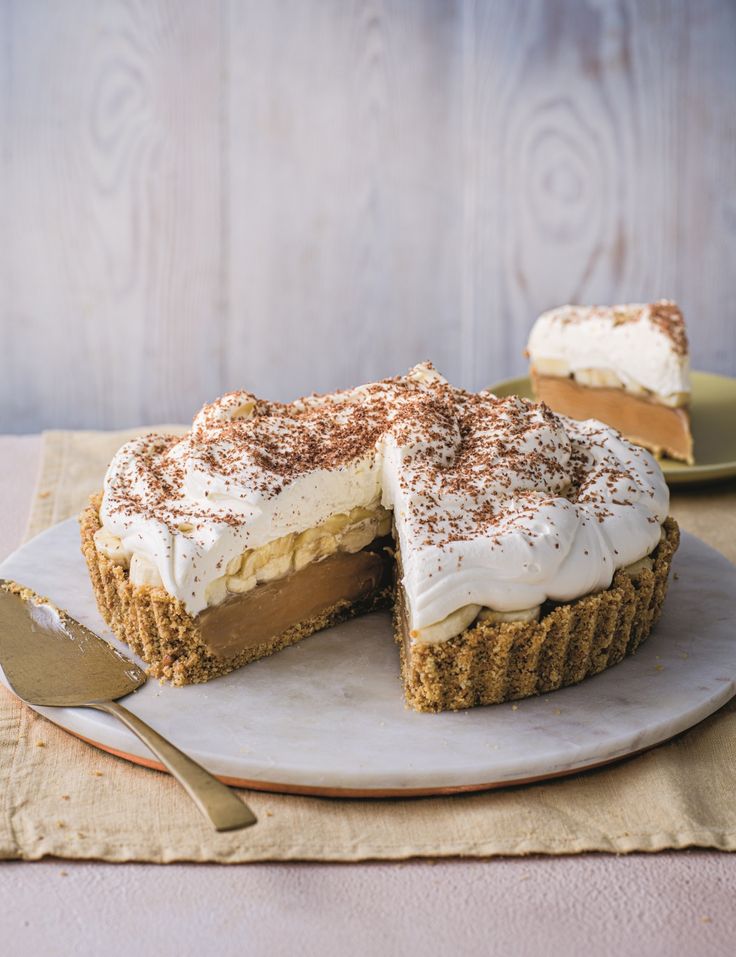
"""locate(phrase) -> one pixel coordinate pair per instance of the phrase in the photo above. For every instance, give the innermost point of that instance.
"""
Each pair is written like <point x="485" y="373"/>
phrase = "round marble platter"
<point x="327" y="716"/>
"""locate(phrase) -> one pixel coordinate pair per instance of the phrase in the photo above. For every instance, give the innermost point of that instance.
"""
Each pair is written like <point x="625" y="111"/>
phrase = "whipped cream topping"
<point x="644" y="345"/>
<point x="497" y="503"/>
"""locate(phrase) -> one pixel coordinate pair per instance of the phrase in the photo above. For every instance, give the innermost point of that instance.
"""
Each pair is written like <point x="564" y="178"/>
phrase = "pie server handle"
<point x="221" y="806"/>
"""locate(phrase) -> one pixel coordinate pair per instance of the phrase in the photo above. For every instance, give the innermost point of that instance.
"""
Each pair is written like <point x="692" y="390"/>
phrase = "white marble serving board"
<point x="328" y="713"/>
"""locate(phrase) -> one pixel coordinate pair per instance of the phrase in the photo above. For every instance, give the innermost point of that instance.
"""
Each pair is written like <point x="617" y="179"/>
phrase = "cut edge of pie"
<point x="159" y="629"/>
<point x="487" y="663"/>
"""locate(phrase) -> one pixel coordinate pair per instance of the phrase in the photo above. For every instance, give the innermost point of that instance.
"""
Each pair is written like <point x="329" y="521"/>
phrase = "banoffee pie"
<point x="628" y="366"/>
<point x="520" y="550"/>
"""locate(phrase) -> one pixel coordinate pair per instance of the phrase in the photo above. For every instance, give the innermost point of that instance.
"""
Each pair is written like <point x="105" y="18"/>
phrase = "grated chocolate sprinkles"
<point x="468" y="463"/>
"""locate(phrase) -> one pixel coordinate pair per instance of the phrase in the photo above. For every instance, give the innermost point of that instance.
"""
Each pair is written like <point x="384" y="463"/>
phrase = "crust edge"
<point x="493" y="663"/>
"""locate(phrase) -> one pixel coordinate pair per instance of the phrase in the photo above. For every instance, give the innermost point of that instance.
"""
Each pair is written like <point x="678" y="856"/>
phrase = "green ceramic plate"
<point x="713" y="422"/>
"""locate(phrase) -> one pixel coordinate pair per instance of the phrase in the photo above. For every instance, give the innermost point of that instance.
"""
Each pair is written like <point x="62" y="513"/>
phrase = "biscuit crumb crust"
<point x="486" y="664"/>
<point x="490" y="663"/>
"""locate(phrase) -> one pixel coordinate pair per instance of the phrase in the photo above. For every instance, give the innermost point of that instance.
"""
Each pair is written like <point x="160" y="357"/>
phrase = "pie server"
<point x="52" y="660"/>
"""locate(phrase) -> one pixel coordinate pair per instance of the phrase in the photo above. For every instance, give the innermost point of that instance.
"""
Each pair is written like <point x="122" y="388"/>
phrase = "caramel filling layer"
<point x="269" y="609"/>
<point x="658" y="427"/>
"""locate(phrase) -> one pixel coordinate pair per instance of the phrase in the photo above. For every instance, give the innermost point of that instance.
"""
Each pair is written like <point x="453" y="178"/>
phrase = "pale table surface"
<point x="670" y="904"/>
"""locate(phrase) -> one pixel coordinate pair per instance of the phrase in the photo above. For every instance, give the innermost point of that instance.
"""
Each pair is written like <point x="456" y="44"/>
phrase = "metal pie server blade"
<point x="50" y="659"/>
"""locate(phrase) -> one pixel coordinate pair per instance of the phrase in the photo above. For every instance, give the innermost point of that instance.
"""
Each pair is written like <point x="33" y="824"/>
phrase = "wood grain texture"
<point x="112" y="249"/>
<point x="603" y="138"/>
<point x="301" y="195"/>
<point x="345" y="160"/>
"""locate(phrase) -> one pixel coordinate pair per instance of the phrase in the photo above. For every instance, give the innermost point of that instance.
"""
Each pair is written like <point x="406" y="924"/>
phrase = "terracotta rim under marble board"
<point x="713" y="404"/>
<point x="274" y="787"/>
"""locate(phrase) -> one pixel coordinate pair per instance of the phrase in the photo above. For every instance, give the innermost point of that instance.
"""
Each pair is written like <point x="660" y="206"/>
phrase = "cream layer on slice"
<point x="641" y="348"/>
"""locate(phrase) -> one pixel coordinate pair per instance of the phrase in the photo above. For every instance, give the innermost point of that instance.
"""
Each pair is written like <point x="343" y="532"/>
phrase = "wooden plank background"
<point x="299" y="195"/>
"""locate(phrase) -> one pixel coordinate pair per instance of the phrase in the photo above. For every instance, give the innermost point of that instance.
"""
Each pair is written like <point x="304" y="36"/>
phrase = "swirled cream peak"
<point x="497" y="503"/>
<point x="640" y="346"/>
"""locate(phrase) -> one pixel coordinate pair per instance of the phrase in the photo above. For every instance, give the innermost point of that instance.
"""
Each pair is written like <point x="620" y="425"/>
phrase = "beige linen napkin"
<point x="65" y="798"/>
